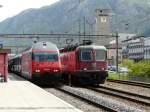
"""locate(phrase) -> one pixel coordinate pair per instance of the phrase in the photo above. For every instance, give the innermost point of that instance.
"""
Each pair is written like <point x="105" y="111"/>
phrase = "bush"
<point x="140" y="69"/>
<point x="127" y="63"/>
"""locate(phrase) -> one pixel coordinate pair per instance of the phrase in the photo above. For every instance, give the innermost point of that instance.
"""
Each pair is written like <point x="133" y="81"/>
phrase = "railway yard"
<point x="111" y="96"/>
<point x="78" y="76"/>
<point x="75" y="56"/>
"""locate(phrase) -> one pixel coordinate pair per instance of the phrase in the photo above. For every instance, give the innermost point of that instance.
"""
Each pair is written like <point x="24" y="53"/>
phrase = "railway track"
<point x="88" y="101"/>
<point x="108" y="105"/>
<point x="141" y="99"/>
<point x="134" y="83"/>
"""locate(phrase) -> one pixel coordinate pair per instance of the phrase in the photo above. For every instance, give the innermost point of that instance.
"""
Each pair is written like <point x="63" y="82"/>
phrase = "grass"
<point x="114" y="75"/>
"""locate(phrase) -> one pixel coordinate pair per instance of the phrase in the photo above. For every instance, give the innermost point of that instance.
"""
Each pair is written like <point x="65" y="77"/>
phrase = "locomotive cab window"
<point x="86" y="55"/>
<point x="44" y="57"/>
<point x="100" y="55"/>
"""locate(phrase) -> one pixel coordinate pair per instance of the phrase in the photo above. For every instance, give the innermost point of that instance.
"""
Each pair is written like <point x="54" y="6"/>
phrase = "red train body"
<point x="40" y="62"/>
<point x="85" y="64"/>
<point x="3" y="64"/>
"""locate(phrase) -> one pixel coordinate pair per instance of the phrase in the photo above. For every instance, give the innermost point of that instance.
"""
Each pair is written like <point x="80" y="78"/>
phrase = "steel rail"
<point x="122" y="94"/>
<point x="87" y="100"/>
<point x="134" y="83"/>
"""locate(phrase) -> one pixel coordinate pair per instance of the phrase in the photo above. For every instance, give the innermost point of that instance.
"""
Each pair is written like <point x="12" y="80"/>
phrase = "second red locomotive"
<point x="86" y="64"/>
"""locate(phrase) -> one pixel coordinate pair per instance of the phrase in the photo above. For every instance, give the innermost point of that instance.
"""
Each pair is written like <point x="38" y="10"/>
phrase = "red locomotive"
<point x="84" y="63"/>
<point x="39" y="63"/>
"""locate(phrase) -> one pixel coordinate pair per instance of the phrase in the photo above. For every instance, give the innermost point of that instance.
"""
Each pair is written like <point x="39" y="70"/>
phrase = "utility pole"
<point x="84" y="26"/>
<point x="90" y="23"/>
<point x="127" y="37"/>
<point x="117" y="36"/>
<point x="79" y="29"/>
<point x="79" y="24"/>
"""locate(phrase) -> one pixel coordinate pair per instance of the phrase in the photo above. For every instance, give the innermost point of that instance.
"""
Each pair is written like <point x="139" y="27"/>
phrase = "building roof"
<point x="5" y="51"/>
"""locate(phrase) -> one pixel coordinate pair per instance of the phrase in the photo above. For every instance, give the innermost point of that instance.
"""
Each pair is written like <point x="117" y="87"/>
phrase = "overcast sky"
<point x="12" y="7"/>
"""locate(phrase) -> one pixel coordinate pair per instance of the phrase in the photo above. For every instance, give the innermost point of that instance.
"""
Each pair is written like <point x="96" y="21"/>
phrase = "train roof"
<point x="93" y="46"/>
<point x="85" y="45"/>
<point x="72" y="48"/>
<point x="44" y="46"/>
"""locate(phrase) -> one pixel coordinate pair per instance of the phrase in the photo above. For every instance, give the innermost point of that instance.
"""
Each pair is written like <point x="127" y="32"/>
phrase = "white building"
<point x="138" y="48"/>
<point x="147" y="48"/>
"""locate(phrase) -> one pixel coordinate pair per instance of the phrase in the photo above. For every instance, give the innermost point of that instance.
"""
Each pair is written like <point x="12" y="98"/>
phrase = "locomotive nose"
<point x="94" y="65"/>
<point x="48" y="67"/>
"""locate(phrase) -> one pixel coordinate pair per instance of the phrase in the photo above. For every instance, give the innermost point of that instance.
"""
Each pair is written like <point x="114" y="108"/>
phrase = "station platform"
<point x="19" y="95"/>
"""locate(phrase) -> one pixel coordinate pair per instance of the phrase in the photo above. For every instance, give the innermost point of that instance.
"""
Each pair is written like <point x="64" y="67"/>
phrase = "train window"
<point x="45" y="57"/>
<point x="100" y="55"/>
<point x="86" y="55"/>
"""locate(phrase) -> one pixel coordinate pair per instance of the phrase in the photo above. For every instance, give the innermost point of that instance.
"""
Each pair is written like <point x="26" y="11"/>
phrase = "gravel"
<point x="130" y="88"/>
<point x="100" y="99"/>
<point x="86" y="107"/>
<point x="82" y="105"/>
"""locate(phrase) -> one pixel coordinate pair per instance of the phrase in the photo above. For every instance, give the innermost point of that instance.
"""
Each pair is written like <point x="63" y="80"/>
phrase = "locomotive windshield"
<point x="86" y="55"/>
<point x="40" y="57"/>
<point x="100" y="55"/>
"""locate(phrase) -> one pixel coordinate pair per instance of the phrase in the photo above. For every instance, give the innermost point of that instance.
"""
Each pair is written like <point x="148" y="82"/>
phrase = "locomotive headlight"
<point x="103" y="69"/>
<point x="56" y="70"/>
<point x="85" y="69"/>
<point x="37" y="70"/>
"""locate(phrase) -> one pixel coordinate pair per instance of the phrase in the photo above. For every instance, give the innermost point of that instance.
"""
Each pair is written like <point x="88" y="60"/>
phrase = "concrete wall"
<point x="102" y="26"/>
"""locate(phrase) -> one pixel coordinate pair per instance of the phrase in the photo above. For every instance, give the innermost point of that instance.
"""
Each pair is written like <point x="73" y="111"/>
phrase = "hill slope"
<point x="64" y="16"/>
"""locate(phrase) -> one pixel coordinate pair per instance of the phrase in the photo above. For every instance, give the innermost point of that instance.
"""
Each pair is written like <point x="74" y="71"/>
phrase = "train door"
<point x="3" y="67"/>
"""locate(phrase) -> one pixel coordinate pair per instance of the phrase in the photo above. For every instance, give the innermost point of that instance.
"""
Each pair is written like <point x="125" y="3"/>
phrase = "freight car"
<point x="86" y="64"/>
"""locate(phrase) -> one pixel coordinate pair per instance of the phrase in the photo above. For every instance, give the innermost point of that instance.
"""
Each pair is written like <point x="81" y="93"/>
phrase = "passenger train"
<point x="86" y="63"/>
<point x="40" y="62"/>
